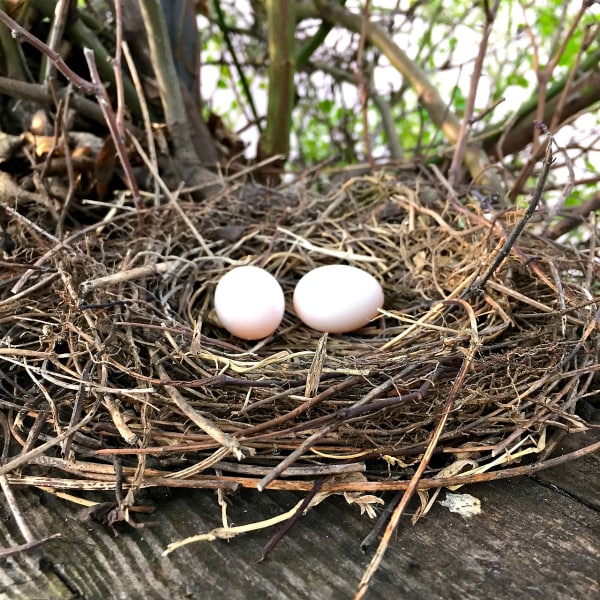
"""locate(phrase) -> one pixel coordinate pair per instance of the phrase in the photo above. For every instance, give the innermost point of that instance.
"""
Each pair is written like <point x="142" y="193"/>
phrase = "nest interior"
<point x="116" y="374"/>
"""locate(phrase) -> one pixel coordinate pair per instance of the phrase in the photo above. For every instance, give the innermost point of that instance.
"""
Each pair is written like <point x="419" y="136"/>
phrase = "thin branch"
<point x="145" y="116"/>
<point x="300" y="509"/>
<point x="109" y="115"/>
<point x="32" y="545"/>
<point x="476" y="160"/>
<point x="576" y="217"/>
<point x="21" y="33"/>
<point x="59" y="23"/>
<point x="116" y="62"/>
<point x="238" y="67"/>
<point x="479" y="284"/>
<point x="461" y="142"/>
<point x="363" y="89"/>
<point x="433" y="441"/>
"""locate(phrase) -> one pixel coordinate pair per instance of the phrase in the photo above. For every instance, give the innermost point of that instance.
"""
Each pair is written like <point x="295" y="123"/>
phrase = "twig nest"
<point x="337" y="298"/>
<point x="249" y="302"/>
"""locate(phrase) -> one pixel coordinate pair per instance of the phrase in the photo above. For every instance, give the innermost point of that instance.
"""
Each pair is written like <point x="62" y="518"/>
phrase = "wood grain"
<point x="535" y="538"/>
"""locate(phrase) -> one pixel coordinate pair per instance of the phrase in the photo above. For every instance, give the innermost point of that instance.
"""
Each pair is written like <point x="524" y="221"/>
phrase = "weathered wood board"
<point x="535" y="538"/>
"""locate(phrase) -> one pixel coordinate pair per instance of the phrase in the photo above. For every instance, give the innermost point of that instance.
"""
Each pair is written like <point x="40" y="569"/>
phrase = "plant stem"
<point x="188" y="163"/>
<point x="282" y="27"/>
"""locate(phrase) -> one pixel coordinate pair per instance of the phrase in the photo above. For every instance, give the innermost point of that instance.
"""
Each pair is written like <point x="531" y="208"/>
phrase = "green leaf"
<point x="459" y="100"/>
<point x="517" y="79"/>
<point x="325" y="106"/>
<point x="591" y="167"/>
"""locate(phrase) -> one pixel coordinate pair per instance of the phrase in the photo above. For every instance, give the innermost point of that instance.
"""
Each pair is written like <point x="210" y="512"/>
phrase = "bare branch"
<point x="576" y="217"/>
<point x="461" y="142"/>
<point x="479" y="284"/>
<point x="21" y="33"/>
<point x="476" y="160"/>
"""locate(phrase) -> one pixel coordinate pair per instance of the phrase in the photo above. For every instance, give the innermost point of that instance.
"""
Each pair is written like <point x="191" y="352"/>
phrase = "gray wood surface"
<point x="535" y="538"/>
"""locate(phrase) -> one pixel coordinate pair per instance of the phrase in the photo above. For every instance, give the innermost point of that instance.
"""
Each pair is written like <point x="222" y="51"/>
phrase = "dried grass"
<point x="115" y="375"/>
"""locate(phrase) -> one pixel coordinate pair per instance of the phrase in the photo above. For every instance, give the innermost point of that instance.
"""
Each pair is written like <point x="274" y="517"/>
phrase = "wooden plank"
<point x="580" y="479"/>
<point x="530" y="541"/>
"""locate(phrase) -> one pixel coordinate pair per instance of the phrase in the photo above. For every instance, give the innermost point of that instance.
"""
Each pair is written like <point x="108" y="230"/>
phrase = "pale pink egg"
<point x="249" y="302"/>
<point x="337" y="298"/>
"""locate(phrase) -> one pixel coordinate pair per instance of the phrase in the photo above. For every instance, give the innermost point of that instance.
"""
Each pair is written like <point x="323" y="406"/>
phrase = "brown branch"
<point x="543" y="78"/>
<point x="296" y="485"/>
<point x="433" y="441"/>
<point x="109" y="116"/>
<point x="19" y="32"/>
<point x="363" y="89"/>
<point x="120" y="113"/>
<point x="476" y="160"/>
<point x="461" y="142"/>
<point x="37" y="93"/>
<point x="62" y="12"/>
<point x="575" y="218"/>
<point x="32" y="545"/>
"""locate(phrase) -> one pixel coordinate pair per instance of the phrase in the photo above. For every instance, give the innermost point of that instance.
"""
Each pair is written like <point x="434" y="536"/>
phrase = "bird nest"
<point x="116" y="375"/>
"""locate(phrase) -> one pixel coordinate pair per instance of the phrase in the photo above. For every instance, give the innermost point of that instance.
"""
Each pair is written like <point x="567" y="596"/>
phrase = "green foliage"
<point x="575" y="198"/>
<point x="325" y="106"/>
<point x="443" y="40"/>
<point x="516" y="79"/>
<point x="459" y="101"/>
<point x="315" y="140"/>
<point x="590" y="165"/>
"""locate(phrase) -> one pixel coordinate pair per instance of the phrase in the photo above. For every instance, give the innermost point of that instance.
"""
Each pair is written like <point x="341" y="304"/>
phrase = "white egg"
<point x="249" y="302"/>
<point x="337" y="298"/>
